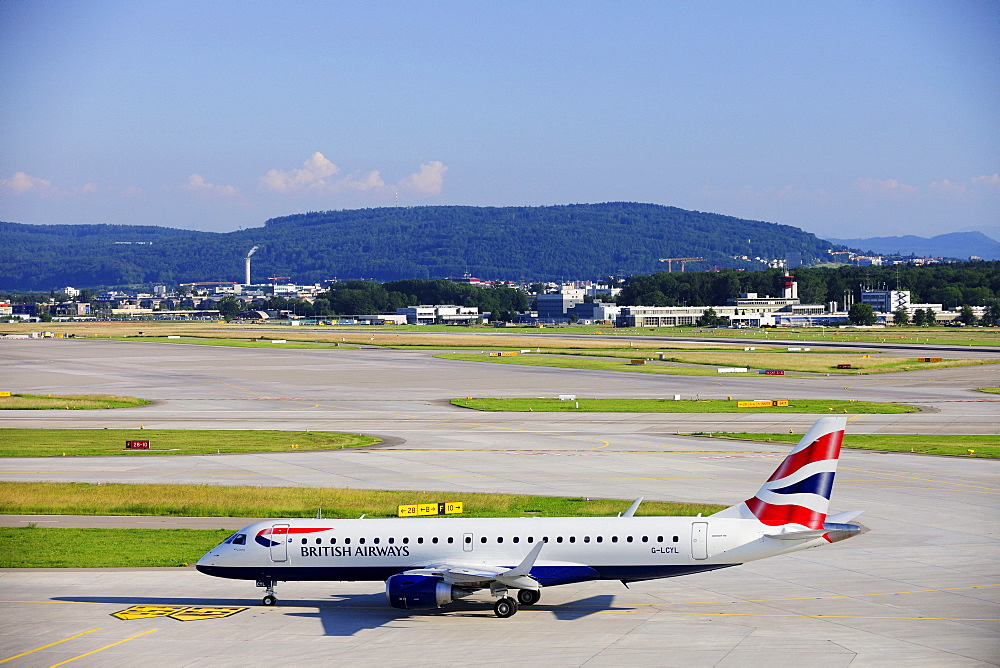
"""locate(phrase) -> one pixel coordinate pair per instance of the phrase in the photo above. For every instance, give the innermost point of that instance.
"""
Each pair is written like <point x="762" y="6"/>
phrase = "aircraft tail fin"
<point x="798" y="492"/>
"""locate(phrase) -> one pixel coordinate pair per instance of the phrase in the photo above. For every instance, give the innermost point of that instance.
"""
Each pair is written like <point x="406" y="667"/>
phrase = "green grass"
<point x="33" y="547"/>
<point x="705" y="364"/>
<point x="986" y="446"/>
<point x="39" y="498"/>
<point x="669" y="406"/>
<point x="991" y="390"/>
<point x="593" y="364"/>
<point x="35" y="402"/>
<point x="232" y="343"/>
<point x="104" y="442"/>
<point x="966" y="336"/>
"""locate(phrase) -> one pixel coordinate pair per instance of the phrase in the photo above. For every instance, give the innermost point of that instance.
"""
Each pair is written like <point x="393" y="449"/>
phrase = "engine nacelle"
<point x="416" y="592"/>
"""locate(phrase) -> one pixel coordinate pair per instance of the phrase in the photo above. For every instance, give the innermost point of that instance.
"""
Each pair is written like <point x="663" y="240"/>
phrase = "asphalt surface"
<point x="921" y="588"/>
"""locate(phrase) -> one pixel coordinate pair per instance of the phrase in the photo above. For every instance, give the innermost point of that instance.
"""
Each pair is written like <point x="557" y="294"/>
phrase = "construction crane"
<point x="274" y="279"/>
<point x="683" y="260"/>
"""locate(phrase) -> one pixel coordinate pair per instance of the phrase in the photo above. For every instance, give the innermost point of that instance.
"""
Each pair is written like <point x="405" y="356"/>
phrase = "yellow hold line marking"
<point x="101" y="649"/>
<point x="17" y="656"/>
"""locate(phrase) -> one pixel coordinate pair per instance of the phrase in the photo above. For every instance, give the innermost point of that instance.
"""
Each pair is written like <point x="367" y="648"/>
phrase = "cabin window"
<point x="572" y="539"/>
<point x="375" y="540"/>
<point x="675" y="539"/>
<point x="559" y="539"/>
<point x="499" y="539"/>
<point x="451" y="540"/>
<point x="545" y="539"/>
<point x="629" y="539"/>
<point x="391" y="541"/>
<point x="645" y="539"/>
<point x="659" y="539"/>
<point x="407" y="540"/>
<point x="319" y="541"/>
<point x="586" y="539"/>
<point x="483" y="539"/>
<point x="361" y="541"/>
<point x="600" y="539"/>
<point x="333" y="541"/>
<point x="240" y="539"/>
<point x="515" y="539"/>
<point x="531" y="539"/>
<point x="614" y="539"/>
<point x="304" y="541"/>
<point x="347" y="541"/>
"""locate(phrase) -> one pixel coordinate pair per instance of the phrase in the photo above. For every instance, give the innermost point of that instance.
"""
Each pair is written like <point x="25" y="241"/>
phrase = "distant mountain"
<point x="960" y="245"/>
<point x="513" y="243"/>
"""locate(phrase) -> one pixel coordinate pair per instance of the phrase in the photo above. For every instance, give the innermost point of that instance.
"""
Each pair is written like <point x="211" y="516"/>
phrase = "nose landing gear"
<point x="269" y="597"/>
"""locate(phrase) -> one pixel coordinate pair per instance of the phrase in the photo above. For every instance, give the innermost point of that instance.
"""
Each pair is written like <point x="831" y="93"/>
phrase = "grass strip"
<point x="111" y="442"/>
<point x="34" y="547"/>
<point x="42" y="498"/>
<point x="70" y="402"/>
<point x="991" y="390"/>
<point x="232" y="343"/>
<point x="955" y="445"/>
<point x="592" y="364"/>
<point x="791" y="363"/>
<point x="551" y="405"/>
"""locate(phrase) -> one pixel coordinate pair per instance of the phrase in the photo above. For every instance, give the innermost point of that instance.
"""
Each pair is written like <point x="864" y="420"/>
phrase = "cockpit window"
<point x="230" y="539"/>
<point x="240" y="539"/>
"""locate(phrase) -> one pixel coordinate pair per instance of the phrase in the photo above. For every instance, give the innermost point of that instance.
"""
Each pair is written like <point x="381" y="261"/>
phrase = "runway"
<point x="921" y="588"/>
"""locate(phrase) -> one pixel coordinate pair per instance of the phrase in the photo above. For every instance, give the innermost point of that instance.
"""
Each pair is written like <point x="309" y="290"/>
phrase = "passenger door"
<point x="279" y="543"/>
<point x="699" y="540"/>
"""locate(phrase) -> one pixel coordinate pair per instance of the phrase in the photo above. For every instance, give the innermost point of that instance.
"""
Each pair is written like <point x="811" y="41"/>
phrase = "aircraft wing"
<point x="481" y="575"/>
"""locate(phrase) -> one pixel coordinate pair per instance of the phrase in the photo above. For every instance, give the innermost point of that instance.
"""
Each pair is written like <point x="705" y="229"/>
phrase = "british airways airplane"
<point x="428" y="562"/>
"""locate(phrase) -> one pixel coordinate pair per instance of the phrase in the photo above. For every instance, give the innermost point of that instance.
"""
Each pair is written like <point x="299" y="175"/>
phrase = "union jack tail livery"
<point x="798" y="492"/>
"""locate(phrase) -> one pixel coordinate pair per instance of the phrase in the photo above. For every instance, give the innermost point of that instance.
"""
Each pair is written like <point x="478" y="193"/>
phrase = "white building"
<point x="447" y="314"/>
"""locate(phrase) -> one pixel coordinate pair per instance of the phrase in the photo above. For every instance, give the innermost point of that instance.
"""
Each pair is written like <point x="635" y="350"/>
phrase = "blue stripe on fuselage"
<point x="547" y="576"/>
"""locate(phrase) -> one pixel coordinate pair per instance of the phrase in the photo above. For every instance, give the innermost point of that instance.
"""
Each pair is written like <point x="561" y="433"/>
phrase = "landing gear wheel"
<point x="528" y="596"/>
<point x="270" y="599"/>
<point x="505" y="607"/>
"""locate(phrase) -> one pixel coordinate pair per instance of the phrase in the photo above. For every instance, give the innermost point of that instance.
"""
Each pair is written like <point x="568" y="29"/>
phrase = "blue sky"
<point x="847" y="119"/>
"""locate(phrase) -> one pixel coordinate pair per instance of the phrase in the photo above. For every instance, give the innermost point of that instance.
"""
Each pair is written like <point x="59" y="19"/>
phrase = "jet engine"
<point x="416" y="592"/>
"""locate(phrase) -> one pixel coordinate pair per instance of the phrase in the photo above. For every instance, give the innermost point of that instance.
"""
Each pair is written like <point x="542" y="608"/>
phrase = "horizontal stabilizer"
<point x="844" y="517"/>
<point x="797" y="535"/>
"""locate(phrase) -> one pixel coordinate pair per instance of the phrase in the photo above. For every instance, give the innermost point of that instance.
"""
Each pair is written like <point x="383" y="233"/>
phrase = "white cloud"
<point x="23" y="183"/>
<point x="428" y="181"/>
<point x="317" y="170"/>
<point x="197" y="183"/>
<point x="991" y="181"/>
<point x="947" y="187"/>
<point x="887" y="186"/>
<point x="314" y="174"/>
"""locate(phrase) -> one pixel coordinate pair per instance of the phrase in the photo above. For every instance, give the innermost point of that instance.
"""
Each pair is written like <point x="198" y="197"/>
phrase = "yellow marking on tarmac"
<point x="101" y="649"/>
<point x="243" y="389"/>
<point x="147" y="611"/>
<point x="17" y="656"/>
<point x="992" y="490"/>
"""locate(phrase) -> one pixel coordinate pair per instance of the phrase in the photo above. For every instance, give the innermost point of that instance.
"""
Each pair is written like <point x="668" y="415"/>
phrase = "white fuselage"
<point x="576" y="549"/>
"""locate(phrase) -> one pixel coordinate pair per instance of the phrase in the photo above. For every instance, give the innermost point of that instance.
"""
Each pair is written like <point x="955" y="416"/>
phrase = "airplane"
<point x="429" y="562"/>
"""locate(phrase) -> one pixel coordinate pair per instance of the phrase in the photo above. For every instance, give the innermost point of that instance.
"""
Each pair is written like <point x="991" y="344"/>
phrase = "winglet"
<point x="524" y="568"/>
<point x="631" y="509"/>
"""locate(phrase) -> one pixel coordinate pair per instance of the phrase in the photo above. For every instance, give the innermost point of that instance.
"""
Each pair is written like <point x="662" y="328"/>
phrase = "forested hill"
<point x="513" y="243"/>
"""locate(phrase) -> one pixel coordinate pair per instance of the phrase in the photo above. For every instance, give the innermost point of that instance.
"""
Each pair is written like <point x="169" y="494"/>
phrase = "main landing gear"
<point x="269" y="597"/>
<point x="506" y="606"/>
<point x="528" y="596"/>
